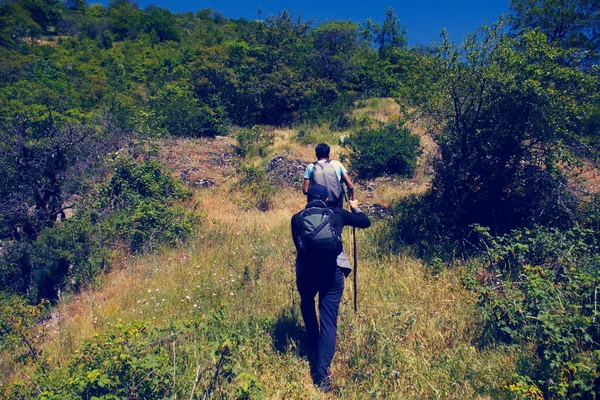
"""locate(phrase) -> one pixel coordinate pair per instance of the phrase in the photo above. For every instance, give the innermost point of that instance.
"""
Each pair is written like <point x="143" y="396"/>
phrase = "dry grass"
<point x="380" y="109"/>
<point x="411" y="338"/>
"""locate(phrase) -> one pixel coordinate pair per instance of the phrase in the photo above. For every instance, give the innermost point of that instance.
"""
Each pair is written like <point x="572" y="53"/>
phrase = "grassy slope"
<point x="412" y="337"/>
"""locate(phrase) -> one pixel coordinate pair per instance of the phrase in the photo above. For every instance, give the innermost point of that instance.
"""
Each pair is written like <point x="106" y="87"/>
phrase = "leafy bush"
<point x="66" y="256"/>
<point x="17" y="331"/>
<point x="393" y="149"/>
<point x="135" y="206"/>
<point x="418" y="225"/>
<point x="505" y="151"/>
<point x="15" y="269"/>
<point x="181" y="114"/>
<point x="150" y="224"/>
<point x="138" y="203"/>
<point x="253" y="141"/>
<point x="257" y="188"/>
<point x="200" y="357"/>
<point x="542" y="296"/>
<point x="133" y="182"/>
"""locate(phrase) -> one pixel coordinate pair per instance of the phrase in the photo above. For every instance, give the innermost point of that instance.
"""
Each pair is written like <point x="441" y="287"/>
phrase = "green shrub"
<point x="18" y="333"/>
<point x="135" y="206"/>
<point x="393" y="149"/>
<point x="201" y="357"/>
<point x="134" y="181"/>
<point x="256" y="186"/>
<point x="417" y="225"/>
<point x="150" y="224"/>
<point x="181" y="114"/>
<point x="138" y="205"/>
<point x="66" y="256"/>
<point x="542" y="296"/>
<point x="15" y="269"/>
<point x="253" y="141"/>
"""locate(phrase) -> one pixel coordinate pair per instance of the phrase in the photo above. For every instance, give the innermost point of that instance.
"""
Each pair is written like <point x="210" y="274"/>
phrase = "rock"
<point x="286" y="172"/>
<point x="205" y="183"/>
<point x="378" y="211"/>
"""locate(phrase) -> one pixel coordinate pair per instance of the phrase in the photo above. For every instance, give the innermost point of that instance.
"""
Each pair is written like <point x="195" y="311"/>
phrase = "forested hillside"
<point x="150" y="162"/>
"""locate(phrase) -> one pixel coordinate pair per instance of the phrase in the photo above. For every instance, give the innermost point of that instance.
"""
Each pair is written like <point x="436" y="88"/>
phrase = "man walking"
<point x="329" y="173"/>
<point x="317" y="272"/>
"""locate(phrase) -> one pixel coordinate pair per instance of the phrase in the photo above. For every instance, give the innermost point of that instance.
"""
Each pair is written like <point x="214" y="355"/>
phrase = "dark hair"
<point x="322" y="150"/>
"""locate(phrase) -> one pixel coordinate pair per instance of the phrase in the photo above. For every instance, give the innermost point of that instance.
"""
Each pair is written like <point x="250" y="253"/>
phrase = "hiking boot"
<point x="325" y="385"/>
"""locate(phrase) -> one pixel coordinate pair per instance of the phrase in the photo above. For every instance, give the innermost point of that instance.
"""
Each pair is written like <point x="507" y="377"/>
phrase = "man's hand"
<point x="353" y="203"/>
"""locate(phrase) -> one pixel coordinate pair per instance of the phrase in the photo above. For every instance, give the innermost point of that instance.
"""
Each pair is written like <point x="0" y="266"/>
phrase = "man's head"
<point x="317" y="192"/>
<point x="322" y="150"/>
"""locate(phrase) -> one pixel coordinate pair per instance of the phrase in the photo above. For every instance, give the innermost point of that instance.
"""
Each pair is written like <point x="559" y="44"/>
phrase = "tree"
<point x="390" y="35"/>
<point x="335" y="43"/>
<point x="16" y="23"/>
<point x="124" y="18"/>
<point x="45" y="13"/>
<point x="42" y="166"/>
<point x="509" y="116"/>
<point x="566" y="23"/>
<point x="162" y="22"/>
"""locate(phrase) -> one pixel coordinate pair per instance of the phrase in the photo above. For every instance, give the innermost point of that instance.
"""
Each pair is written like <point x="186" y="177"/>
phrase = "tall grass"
<point x="412" y="336"/>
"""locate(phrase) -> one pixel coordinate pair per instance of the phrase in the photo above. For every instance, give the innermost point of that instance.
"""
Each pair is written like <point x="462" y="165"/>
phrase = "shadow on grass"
<point x="288" y="334"/>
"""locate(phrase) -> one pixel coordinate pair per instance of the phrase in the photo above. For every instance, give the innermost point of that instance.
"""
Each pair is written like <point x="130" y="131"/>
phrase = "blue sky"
<point x="424" y="19"/>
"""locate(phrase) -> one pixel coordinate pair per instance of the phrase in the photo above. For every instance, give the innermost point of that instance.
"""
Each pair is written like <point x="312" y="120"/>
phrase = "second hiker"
<point x="329" y="173"/>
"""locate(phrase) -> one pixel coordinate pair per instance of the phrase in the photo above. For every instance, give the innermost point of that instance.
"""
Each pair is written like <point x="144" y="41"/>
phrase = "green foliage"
<point x="133" y="182"/>
<point x="136" y="206"/>
<point x="258" y="190"/>
<point x="138" y="200"/>
<point x="181" y="114"/>
<point x="161" y="22"/>
<point x="119" y="364"/>
<point x="392" y="149"/>
<point x="509" y="116"/>
<point x="17" y="331"/>
<point x="139" y="361"/>
<point x="124" y="19"/>
<point x="390" y="36"/>
<point x="253" y="141"/>
<point x="570" y="24"/>
<point x="335" y="43"/>
<point x="68" y="256"/>
<point x="543" y="295"/>
<point x="150" y="224"/>
<point x="15" y="269"/>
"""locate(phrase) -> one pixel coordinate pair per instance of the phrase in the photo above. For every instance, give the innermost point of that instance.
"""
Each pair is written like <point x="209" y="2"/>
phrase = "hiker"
<point x="329" y="173"/>
<point x="317" y="271"/>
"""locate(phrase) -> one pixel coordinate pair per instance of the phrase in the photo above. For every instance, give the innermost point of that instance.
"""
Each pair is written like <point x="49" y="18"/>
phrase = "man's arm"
<point x="295" y="230"/>
<point x="349" y="185"/>
<point x="306" y="186"/>
<point x="356" y="218"/>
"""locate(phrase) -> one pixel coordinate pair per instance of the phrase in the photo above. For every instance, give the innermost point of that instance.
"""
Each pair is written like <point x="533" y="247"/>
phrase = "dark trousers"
<point x="321" y="337"/>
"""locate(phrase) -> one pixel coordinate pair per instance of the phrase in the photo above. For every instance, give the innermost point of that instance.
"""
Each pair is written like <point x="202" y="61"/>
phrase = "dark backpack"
<point x="318" y="238"/>
<point x="324" y="174"/>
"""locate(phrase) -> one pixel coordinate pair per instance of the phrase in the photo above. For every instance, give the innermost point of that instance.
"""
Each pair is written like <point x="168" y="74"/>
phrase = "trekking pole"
<point x="355" y="257"/>
<point x="355" y="266"/>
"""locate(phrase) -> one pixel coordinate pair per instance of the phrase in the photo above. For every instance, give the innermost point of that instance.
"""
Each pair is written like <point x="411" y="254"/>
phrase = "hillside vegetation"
<point x="224" y="306"/>
<point x="150" y="163"/>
